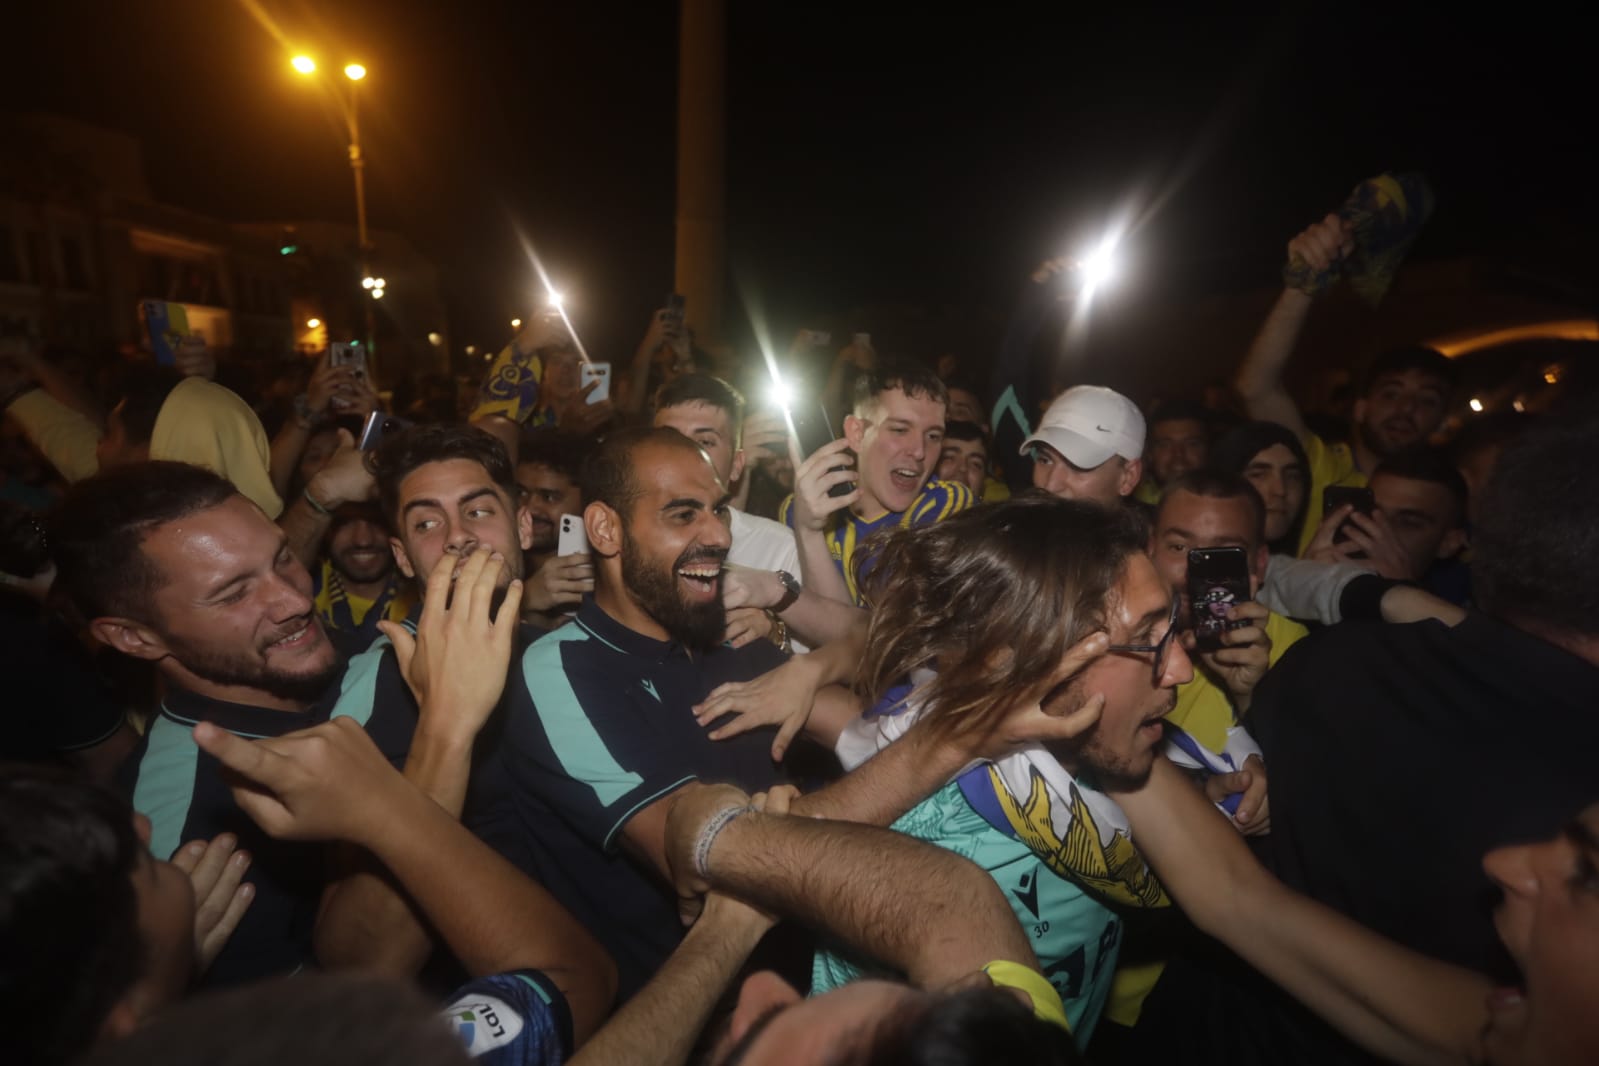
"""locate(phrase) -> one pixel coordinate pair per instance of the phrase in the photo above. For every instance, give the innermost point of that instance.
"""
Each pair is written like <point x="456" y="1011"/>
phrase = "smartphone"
<point x="675" y="305"/>
<point x="600" y="372"/>
<point x="817" y="338"/>
<point x="350" y="355"/>
<point x="1218" y="578"/>
<point x="574" y="539"/>
<point x="813" y="430"/>
<point x="379" y="425"/>
<point x="1336" y="496"/>
<point x="167" y="324"/>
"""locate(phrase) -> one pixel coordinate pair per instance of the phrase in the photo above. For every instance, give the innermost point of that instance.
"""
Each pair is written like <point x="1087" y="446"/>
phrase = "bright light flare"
<point x="435" y="339"/>
<point x="516" y="323"/>
<point x="1476" y="405"/>
<point x="303" y="64"/>
<point x="555" y="297"/>
<point x="355" y="72"/>
<point x="1099" y="267"/>
<point x="780" y="393"/>
<point x="312" y="323"/>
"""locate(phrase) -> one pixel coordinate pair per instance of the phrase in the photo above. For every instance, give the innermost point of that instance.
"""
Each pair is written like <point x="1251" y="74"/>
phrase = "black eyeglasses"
<point x="1160" y="649"/>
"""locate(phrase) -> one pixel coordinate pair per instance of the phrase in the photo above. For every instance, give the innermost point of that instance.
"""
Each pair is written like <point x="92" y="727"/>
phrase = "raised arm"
<point x="456" y="666"/>
<point x="1260" y="378"/>
<point x="945" y="920"/>
<point x="1394" y="1002"/>
<point x="811" y="508"/>
<point x="331" y="783"/>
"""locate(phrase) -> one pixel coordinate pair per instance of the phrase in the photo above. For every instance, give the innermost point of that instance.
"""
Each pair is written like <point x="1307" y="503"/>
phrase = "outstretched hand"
<point x="328" y="782"/>
<point x="457" y="662"/>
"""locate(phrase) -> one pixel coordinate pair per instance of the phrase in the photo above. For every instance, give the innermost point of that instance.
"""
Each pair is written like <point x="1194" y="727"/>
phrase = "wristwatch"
<point x="791" y="591"/>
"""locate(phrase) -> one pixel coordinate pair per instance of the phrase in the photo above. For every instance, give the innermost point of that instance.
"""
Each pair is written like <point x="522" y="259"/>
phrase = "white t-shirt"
<point x="762" y="544"/>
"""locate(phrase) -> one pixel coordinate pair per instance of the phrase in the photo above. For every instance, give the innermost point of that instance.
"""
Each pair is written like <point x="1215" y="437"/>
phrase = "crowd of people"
<point x="530" y="728"/>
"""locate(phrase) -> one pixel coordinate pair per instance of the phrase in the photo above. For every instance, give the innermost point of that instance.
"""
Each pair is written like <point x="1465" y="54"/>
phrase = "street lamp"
<point x="516" y="323"/>
<point x="353" y="73"/>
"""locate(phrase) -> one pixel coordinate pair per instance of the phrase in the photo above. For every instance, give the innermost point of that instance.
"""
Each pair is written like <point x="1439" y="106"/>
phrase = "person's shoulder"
<point x="762" y="543"/>
<point x="938" y="500"/>
<point x="1283" y="632"/>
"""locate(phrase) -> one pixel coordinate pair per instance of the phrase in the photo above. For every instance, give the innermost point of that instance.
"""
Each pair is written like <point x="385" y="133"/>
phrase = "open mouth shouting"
<point x="906" y="480"/>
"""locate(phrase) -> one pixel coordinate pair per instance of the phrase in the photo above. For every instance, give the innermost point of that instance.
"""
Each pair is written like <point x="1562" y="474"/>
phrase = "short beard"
<point x="696" y="626"/>
<point x="1099" y="768"/>
<point x="233" y="670"/>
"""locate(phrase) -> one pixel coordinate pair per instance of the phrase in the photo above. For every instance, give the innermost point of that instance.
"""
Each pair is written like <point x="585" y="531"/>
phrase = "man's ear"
<point x="1257" y="569"/>
<point x="1357" y="414"/>
<point x="1453" y="544"/>
<point x="524" y="528"/>
<point x="1132" y="474"/>
<point x="604" y="527"/>
<point x="854" y="431"/>
<point x="401" y="559"/>
<point x="131" y="638"/>
<point x="737" y="471"/>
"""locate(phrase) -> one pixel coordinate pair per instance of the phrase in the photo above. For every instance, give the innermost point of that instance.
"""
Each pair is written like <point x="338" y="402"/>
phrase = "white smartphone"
<point x="350" y="355"/>
<point x="574" y="539"/>
<point x="600" y="372"/>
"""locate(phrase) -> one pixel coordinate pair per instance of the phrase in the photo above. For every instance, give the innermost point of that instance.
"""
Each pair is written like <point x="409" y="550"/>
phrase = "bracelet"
<point x="708" y="835"/>
<point x="779" y="634"/>
<point x="315" y="504"/>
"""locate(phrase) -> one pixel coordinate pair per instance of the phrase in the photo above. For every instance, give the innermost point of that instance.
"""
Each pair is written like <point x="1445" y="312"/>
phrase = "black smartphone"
<point x="675" y="305"/>
<point x="1336" y="496"/>
<point x="813" y="430"/>
<point x="1218" y="578"/>
<point x="378" y="425"/>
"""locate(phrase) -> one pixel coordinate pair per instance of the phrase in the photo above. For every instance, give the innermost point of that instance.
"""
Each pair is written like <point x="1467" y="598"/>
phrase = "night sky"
<point x="894" y="158"/>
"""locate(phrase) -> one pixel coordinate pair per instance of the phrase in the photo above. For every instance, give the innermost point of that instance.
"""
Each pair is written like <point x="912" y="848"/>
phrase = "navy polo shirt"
<point x="182" y="791"/>
<point x="600" y="726"/>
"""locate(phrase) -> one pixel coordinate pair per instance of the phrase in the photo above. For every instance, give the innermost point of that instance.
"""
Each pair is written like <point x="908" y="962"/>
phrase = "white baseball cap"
<point x="1089" y="424"/>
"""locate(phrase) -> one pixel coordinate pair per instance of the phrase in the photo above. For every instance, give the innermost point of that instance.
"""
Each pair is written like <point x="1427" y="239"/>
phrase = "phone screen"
<point x="1218" y="578"/>
<point x="1336" y="496"/>
<point x="600" y="372"/>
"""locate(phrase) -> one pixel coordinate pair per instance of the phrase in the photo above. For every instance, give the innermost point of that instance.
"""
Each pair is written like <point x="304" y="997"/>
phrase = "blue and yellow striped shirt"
<point x="846" y="530"/>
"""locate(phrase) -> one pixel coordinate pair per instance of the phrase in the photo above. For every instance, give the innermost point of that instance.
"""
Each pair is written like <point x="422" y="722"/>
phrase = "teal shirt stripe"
<point x="165" y="787"/>
<point x="577" y="745"/>
<point x="358" y="692"/>
<point x="1076" y="938"/>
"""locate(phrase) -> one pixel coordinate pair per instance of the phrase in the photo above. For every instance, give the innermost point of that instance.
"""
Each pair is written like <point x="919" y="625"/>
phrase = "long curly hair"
<point x="993" y="598"/>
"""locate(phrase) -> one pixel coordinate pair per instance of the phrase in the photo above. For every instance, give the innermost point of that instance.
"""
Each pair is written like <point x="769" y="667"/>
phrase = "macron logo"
<point x="649" y="686"/>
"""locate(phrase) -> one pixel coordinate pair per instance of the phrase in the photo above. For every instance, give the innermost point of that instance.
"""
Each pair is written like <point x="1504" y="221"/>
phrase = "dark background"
<point x="881" y="162"/>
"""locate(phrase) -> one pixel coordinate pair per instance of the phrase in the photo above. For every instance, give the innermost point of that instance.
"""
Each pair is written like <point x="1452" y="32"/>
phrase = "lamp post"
<point x="353" y="73"/>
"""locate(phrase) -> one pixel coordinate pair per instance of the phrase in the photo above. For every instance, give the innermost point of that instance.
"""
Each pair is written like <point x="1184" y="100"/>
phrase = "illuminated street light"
<point x="516" y="323"/>
<point x="312" y="323"/>
<point x="1476" y="405"/>
<point x="471" y="349"/>
<point x="435" y="340"/>
<point x="303" y="64"/>
<point x="355" y="72"/>
<point x="377" y="294"/>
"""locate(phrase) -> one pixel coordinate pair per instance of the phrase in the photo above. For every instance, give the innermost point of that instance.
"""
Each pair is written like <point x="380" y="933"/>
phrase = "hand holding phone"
<point x="1218" y="579"/>
<point x="596" y="372"/>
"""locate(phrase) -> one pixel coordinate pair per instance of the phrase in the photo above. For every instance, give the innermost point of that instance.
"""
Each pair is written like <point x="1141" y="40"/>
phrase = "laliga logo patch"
<point x="483" y="1023"/>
